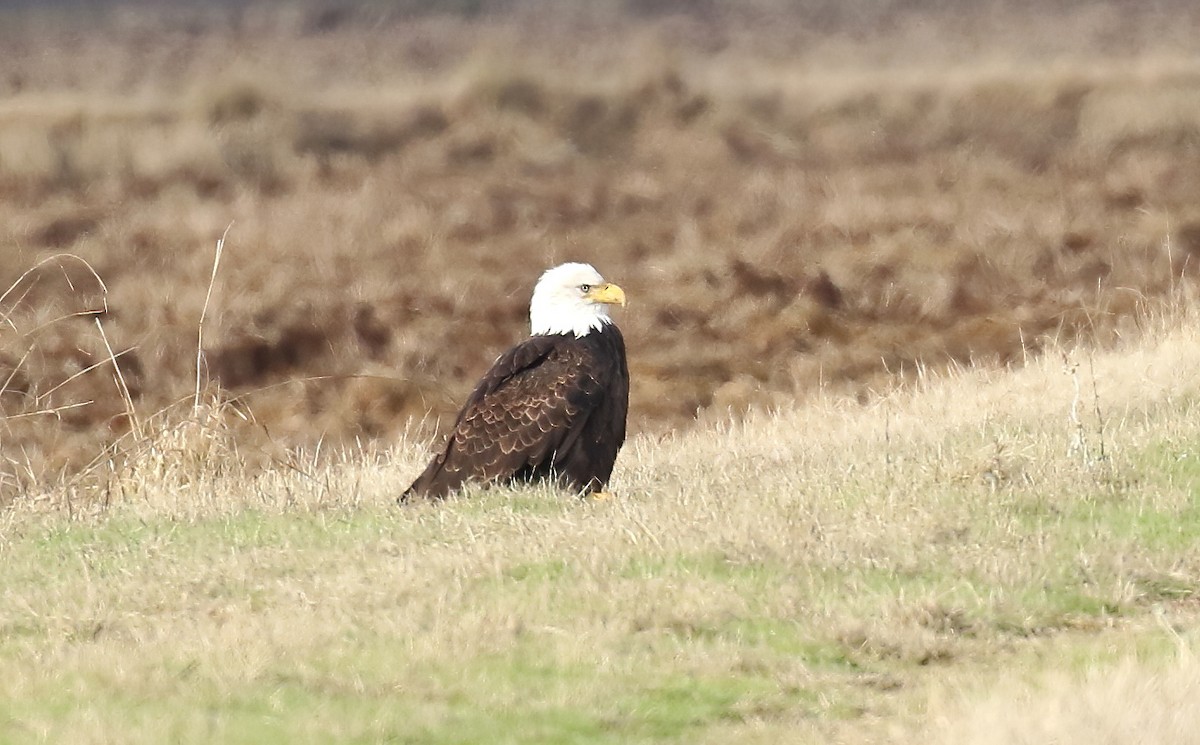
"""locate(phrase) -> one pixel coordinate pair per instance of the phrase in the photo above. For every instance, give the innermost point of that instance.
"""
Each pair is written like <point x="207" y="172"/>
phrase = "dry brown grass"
<point x="807" y="214"/>
<point x="1126" y="703"/>
<point x="829" y="199"/>
<point x="836" y="571"/>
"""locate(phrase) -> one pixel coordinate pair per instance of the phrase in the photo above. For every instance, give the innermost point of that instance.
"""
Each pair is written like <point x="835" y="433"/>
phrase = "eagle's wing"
<point x="526" y="411"/>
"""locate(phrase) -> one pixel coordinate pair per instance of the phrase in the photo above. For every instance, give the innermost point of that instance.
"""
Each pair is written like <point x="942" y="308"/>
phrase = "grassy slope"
<point x="966" y="562"/>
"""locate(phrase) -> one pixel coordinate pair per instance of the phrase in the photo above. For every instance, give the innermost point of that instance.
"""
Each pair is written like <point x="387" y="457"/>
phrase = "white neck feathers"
<point x="561" y="305"/>
<point x="558" y="322"/>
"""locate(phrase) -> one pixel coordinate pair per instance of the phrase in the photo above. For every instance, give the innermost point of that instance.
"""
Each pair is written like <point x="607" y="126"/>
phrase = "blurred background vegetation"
<point x="798" y="195"/>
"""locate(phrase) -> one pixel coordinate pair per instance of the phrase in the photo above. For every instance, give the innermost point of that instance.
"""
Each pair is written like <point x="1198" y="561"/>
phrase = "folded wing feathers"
<point x="523" y="417"/>
<point x="518" y="423"/>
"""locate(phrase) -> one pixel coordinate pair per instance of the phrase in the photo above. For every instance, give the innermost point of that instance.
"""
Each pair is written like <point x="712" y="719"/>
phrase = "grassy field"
<point x="988" y="557"/>
<point x="913" y="340"/>
<point x="797" y="196"/>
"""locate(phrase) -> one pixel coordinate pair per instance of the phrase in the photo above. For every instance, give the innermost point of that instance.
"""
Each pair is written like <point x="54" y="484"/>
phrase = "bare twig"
<point x="1078" y="437"/>
<point x="121" y="386"/>
<point x="89" y="312"/>
<point x="57" y="258"/>
<point x="203" y="313"/>
<point x="1102" y="454"/>
<point x="84" y="371"/>
<point x="52" y="411"/>
<point x="16" y="368"/>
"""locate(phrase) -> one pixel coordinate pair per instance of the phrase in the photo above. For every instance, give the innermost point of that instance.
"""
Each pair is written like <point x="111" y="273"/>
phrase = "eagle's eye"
<point x="585" y="288"/>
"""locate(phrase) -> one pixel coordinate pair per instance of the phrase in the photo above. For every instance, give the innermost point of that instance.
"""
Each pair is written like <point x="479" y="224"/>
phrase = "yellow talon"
<point x="600" y="496"/>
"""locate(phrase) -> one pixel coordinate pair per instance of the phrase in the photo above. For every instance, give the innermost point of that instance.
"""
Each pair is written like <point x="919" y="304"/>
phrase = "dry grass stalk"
<point x="212" y="280"/>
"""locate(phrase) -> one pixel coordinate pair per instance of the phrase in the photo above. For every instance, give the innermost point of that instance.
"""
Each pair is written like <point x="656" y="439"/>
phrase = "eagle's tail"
<point x="430" y="485"/>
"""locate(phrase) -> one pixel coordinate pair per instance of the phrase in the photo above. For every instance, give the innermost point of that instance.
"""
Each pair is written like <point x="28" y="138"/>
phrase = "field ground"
<point x="798" y="196"/>
<point x="989" y="556"/>
<point x="913" y="338"/>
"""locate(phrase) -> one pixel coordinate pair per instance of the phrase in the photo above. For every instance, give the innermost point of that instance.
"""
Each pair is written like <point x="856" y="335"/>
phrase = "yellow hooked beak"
<point x="607" y="293"/>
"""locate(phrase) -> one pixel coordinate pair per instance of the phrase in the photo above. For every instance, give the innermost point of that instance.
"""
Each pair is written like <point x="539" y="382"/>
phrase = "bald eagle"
<point x="553" y="407"/>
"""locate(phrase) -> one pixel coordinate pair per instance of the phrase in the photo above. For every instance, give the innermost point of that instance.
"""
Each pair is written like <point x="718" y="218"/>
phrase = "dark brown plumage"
<point x="551" y="408"/>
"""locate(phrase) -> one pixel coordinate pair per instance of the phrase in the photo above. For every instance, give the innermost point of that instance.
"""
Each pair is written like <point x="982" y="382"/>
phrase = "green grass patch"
<point x="368" y="692"/>
<point x="715" y="565"/>
<point x="539" y="571"/>
<point x="525" y="616"/>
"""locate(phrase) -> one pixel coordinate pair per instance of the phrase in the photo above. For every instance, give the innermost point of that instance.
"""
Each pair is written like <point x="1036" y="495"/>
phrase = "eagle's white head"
<point x="572" y="299"/>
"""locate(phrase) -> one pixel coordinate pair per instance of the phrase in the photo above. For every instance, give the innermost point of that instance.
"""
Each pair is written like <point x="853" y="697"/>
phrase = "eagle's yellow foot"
<point x="600" y="496"/>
